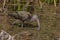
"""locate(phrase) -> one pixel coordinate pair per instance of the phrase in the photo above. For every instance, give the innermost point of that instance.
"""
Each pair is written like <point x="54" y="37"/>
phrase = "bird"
<point x="25" y="16"/>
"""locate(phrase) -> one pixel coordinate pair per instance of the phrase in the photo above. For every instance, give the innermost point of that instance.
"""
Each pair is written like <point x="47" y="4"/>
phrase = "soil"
<point x="49" y="20"/>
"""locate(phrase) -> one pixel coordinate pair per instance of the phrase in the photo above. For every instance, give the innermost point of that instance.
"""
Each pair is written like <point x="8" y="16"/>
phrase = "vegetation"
<point x="47" y="10"/>
<point x="20" y="4"/>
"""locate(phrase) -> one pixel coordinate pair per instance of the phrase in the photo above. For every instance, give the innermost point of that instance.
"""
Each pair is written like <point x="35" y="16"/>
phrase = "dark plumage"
<point x="18" y="15"/>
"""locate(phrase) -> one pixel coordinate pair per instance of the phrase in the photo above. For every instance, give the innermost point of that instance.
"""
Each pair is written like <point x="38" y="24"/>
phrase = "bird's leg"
<point x="15" y="22"/>
<point x="22" y="24"/>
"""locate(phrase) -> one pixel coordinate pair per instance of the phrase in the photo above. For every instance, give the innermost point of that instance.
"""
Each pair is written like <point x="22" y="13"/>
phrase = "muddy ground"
<point x="49" y="20"/>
